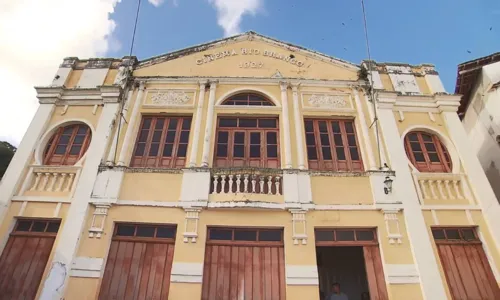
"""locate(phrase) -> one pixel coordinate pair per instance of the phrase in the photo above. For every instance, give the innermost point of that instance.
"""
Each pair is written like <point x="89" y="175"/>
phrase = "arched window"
<point x="427" y="153"/>
<point x="248" y="99"/>
<point x="67" y="145"/>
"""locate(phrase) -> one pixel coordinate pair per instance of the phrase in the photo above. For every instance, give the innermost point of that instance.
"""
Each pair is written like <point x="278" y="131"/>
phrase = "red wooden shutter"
<point x="139" y="263"/>
<point x="24" y="258"/>
<point x="244" y="264"/>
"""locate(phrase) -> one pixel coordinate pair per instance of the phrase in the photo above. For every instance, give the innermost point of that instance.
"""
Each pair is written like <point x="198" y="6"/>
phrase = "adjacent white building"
<point x="479" y="83"/>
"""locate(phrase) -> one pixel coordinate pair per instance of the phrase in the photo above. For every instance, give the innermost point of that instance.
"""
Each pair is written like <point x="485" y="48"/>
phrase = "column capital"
<point x="284" y="85"/>
<point x="140" y="84"/>
<point x="203" y="83"/>
<point x="213" y="84"/>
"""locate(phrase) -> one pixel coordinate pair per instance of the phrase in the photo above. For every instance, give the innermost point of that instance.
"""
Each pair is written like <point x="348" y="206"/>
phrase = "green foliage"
<point x="6" y="153"/>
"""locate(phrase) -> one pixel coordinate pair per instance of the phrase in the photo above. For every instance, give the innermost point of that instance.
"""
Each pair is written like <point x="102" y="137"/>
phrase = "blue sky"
<point x="424" y="31"/>
<point x="421" y="31"/>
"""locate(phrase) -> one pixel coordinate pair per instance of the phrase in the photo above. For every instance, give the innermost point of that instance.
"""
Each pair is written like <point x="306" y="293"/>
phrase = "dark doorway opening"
<point x="345" y="266"/>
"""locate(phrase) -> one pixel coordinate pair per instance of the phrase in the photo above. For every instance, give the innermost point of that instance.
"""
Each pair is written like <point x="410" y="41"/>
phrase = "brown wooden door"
<point x="465" y="264"/>
<point x="244" y="264"/>
<point x="363" y="237"/>
<point x="139" y="263"/>
<point x="375" y="273"/>
<point x="24" y="258"/>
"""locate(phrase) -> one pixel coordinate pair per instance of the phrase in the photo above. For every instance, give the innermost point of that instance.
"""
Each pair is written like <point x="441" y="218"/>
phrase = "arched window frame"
<point x="446" y="161"/>
<point x="72" y="131"/>
<point x="247" y="99"/>
<point x="254" y="90"/>
<point x="41" y="147"/>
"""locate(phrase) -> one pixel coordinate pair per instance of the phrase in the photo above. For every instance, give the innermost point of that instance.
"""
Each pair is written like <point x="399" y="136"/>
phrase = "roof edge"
<point x="249" y="34"/>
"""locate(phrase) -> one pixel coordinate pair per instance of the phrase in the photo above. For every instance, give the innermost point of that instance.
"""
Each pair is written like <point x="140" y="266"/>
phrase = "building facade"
<point x="479" y="83"/>
<point x="246" y="168"/>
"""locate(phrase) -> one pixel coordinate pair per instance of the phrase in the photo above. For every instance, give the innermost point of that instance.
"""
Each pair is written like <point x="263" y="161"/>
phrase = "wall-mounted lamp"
<point x="388" y="185"/>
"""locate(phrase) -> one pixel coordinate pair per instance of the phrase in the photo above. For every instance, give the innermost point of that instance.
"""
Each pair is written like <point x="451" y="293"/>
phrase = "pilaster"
<point x="70" y="233"/>
<point x="365" y="133"/>
<point x="122" y="115"/>
<point x="130" y="128"/>
<point x="286" y="124"/>
<point x="209" y="125"/>
<point x="197" y="125"/>
<point x="427" y="265"/>
<point x="299" y="137"/>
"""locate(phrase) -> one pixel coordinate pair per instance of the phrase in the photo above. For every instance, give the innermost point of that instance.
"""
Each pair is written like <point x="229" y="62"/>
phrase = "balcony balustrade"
<point x="253" y="181"/>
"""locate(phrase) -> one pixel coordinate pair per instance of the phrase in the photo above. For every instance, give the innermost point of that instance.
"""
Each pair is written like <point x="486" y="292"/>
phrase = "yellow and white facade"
<point x="104" y="187"/>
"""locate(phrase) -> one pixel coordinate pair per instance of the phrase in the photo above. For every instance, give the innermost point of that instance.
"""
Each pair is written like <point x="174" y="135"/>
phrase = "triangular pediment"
<point x="248" y="55"/>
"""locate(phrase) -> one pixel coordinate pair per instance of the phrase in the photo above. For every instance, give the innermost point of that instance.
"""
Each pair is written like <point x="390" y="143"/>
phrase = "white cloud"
<point x="156" y="2"/>
<point x="230" y="13"/>
<point x="35" y="36"/>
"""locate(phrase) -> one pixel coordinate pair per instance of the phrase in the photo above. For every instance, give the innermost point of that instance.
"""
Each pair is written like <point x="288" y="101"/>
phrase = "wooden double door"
<point x="244" y="263"/>
<point x="363" y="239"/>
<point x="139" y="262"/>
<point x="25" y="256"/>
<point x="465" y="264"/>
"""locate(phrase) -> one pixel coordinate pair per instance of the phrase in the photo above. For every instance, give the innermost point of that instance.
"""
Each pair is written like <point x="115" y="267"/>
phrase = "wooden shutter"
<point x="427" y="153"/>
<point x="375" y="273"/>
<point x="162" y="142"/>
<point x="244" y="264"/>
<point x="139" y="263"/>
<point x="465" y="264"/>
<point x="24" y="258"/>
<point x="68" y="145"/>
<point x="332" y="145"/>
<point x="247" y="142"/>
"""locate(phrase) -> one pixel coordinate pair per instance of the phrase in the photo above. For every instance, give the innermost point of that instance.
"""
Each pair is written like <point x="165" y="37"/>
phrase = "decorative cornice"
<point x="91" y="96"/>
<point x="436" y="102"/>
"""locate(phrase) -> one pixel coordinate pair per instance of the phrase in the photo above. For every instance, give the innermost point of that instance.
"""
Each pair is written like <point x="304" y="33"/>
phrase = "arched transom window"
<point x="67" y="145"/>
<point x="427" y="153"/>
<point x="248" y="99"/>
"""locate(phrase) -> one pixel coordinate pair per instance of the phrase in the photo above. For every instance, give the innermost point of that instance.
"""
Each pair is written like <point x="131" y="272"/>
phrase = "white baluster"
<point x="53" y="182"/>
<point x="70" y="182"/>
<point x="222" y="184"/>
<point x="230" y="184"/>
<point x="254" y="185"/>
<point x="456" y="186"/>
<point x="216" y="177"/>
<point x="261" y="183"/>
<point x="46" y="178"/>
<point x="431" y="187"/>
<point x="269" y="185"/>
<point x="245" y="183"/>
<point x="440" y="189"/>
<point x="238" y="183"/>
<point x="37" y="181"/>
<point x="447" y="185"/>
<point x="277" y="184"/>
<point x="61" y="182"/>
<point x="423" y="189"/>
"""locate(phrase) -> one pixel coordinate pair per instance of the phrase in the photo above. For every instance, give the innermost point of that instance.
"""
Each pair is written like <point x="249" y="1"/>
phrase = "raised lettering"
<point x="256" y="51"/>
<point x="244" y="51"/>
<point x="217" y="55"/>
<point x="199" y="61"/>
<point x="300" y="64"/>
<point x="233" y="52"/>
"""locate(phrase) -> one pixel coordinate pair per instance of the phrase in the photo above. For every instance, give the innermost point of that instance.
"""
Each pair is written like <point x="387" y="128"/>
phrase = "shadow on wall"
<point x="493" y="175"/>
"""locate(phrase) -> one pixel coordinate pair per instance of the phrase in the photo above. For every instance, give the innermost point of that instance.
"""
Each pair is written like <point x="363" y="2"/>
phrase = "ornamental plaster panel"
<point x="312" y="100"/>
<point x="169" y="98"/>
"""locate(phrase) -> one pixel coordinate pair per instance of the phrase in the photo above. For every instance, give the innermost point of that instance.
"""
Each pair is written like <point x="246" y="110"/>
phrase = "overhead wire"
<point x="370" y="77"/>
<point x="126" y="80"/>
